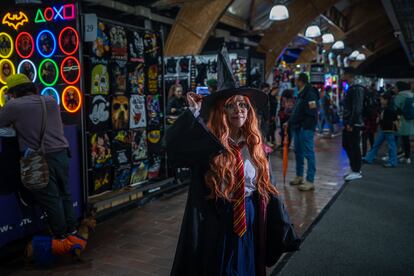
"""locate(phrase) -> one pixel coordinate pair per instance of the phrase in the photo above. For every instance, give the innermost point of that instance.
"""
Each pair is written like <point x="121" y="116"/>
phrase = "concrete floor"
<point x="142" y="241"/>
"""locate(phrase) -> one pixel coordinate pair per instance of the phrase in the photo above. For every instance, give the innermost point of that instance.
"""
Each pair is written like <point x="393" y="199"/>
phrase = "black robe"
<point x="201" y="247"/>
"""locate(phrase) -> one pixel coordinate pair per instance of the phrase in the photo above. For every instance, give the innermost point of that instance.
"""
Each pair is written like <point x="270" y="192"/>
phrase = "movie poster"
<point x="152" y="79"/>
<point x="154" y="167"/>
<point x="154" y="110"/>
<point x="122" y="177"/>
<point x="119" y="77"/>
<point x="139" y="173"/>
<point x="98" y="113"/>
<point x="136" y="47"/>
<point x="139" y="148"/>
<point x="121" y="147"/>
<point x="154" y="140"/>
<point x="100" y="79"/>
<point x="101" y="181"/>
<point x="120" y="112"/>
<point x="100" y="47"/>
<point x="118" y="43"/>
<point x="136" y="78"/>
<point x="151" y="46"/>
<point x="100" y="150"/>
<point x="137" y="116"/>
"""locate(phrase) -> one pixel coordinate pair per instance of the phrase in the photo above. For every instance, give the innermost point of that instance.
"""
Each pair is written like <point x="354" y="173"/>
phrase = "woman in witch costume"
<point x="227" y="216"/>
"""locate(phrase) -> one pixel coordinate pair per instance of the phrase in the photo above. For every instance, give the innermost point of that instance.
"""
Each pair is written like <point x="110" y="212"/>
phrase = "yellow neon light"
<point x="15" y="20"/>
<point x="2" y="96"/>
<point x="11" y="46"/>
<point x="13" y="70"/>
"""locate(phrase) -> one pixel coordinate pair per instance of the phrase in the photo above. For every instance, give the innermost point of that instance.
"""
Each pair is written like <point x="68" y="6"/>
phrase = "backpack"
<point x="408" y="109"/>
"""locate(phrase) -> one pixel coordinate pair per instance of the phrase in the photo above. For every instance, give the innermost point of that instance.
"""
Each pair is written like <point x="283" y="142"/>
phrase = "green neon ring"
<point x="39" y="71"/>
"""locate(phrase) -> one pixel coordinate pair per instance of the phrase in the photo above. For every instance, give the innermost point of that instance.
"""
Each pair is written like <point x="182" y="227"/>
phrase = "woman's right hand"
<point x="194" y="100"/>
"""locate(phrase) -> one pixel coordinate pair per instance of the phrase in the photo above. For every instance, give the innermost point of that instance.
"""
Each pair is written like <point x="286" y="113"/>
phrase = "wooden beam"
<point x="161" y="4"/>
<point x="234" y="21"/>
<point x="308" y="55"/>
<point x="278" y="36"/>
<point x="193" y="26"/>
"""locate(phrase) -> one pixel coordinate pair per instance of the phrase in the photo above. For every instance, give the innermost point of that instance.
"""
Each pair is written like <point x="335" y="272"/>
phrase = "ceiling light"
<point x="279" y="13"/>
<point x="328" y="38"/>
<point x="339" y="45"/>
<point x="361" y="57"/>
<point x="354" y="54"/>
<point x="313" y="31"/>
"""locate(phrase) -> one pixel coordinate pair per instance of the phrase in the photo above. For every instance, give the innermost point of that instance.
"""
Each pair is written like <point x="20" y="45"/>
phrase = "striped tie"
<point x="239" y="211"/>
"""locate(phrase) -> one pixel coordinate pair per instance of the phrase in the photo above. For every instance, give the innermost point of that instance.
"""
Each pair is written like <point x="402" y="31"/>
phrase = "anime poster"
<point x="46" y="42"/>
<point x="120" y="112"/>
<point x="152" y="79"/>
<point x="101" y="181"/>
<point x="29" y="69"/>
<point x="151" y="46"/>
<point x="137" y="115"/>
<point x="100" y="150"/>
<point x="121" y="177"/>
<point x="136" y="47"/>
<point x="154" y="167"/>
<point x="48" y="72"/>
<point x="239" y="67"/>
<point x="100" y="80"/>
<point x="100" y="47"/>
<point x="154" y="110"/>
<point x="154" y="140"/>
<point x="69" y="41"/>
<point x="119" y="45"/>
<point x="98" y="111"/>
<point x="139" y="146"/>
<point x="6" y="70"/>
<point x="70" y="70"/>
<point x="6" y="45"/>
<point x="24" y="45"/>
<point x="136" y="78"/>
<point x="139" y="173"/>
<point x="121" y="147"/>
<point x="118" y="76"/>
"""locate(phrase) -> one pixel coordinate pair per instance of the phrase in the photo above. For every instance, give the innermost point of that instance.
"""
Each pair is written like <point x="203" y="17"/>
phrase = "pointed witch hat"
<point x="227" y="87"/>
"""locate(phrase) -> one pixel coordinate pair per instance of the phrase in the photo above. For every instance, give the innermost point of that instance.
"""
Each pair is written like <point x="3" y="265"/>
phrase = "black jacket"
<point x="387" y="119"/>
<point x="353" y="103"/>
<point x="305" y="112"/>
<point x="178" y="103"/>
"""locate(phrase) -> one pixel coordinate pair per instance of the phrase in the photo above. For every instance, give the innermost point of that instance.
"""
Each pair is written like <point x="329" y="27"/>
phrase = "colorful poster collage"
<point x="42" y="42"/>
<point x="123" y="100"/>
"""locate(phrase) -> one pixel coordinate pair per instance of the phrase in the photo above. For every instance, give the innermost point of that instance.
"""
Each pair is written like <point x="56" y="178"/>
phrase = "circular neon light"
<point x="62" y="73"/>
<point x="13" y="70"/>
<point x="50" y="91"/>
<point x="38" y="48"/>
<point x="11" y="45"/>
<point x="51" y="12"/>
<point x="17" y="45"/>
<point x="2" y="96"/>
<point x="40" y="72"/>
<point x="76" y="43"/>
<point x="19" y="67"/>
<point x="75" y="106"/>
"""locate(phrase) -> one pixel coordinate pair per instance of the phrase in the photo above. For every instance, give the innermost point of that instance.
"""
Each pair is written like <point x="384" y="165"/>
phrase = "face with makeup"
<point x="236" y="109"/>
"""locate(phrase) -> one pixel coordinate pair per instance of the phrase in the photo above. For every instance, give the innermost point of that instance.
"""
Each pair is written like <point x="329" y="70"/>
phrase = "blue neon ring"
<point x="31" y="63"/>
<point x="55" y="93"/>
<point x="38" y="47"/>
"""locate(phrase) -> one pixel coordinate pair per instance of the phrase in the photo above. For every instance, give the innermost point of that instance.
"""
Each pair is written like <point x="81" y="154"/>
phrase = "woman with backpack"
<point x="404" y="105"/>
<point x="287" y="102"/>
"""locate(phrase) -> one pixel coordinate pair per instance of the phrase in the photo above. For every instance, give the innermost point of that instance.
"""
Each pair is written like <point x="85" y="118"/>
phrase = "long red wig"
<point x="220" y="178"/>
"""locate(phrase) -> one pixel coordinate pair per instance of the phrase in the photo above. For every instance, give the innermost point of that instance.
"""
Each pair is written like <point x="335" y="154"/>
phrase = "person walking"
<point x="287" y="103"/>
<point x="404" y="104"/>
<point x="352" y="120"/>
<point x="370" y="113"/>
<point x="303" y="123"/>
<point x="387" y="123"/>
<point x="55" y="199"/>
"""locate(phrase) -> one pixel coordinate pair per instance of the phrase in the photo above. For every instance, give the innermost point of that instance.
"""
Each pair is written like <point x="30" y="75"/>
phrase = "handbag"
<point x="280" y="233"/>
<point x="33" y="166"/>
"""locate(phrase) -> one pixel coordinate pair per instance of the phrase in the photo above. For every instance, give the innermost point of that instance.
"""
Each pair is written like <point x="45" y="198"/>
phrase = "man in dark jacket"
<point x="303" y="123"/>
<point x="353" y="122"/>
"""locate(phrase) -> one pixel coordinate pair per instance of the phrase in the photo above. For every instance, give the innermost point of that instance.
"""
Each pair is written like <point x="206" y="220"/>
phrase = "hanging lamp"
<point x="313" y="31"/>
<point x="328" y="38"/>
<point x="279" y="13"/>
<point x="339" y="45"/>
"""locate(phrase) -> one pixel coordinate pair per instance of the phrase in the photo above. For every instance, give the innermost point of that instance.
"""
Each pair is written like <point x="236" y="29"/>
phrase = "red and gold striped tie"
<point x="239" y="211"/>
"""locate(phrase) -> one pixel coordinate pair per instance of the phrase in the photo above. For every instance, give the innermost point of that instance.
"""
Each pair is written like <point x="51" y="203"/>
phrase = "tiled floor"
<point x="142" y="241"/>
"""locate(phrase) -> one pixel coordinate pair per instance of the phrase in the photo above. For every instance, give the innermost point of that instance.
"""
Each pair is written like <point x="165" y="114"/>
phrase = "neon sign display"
<point x="68" y="41"/>
<point x="3" y="96"/>
<point x="28" y="68"/>
<point x="6" y="47"/>
<point x="70" y="70"/>
<point x="46" y="43"/>
<point x="24" y="45"/>
<point x="50" y="91"/>
<point x="48" y="72"/>
<point x="6" y="69"/>
<point x="15" y="20"/>
<point x="71" y="99"/>
<point x="65" y="12"/>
